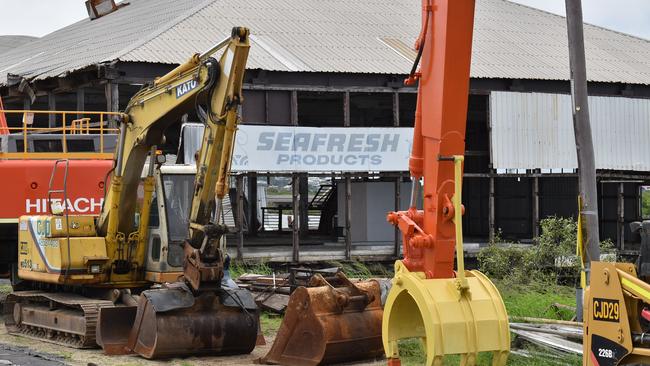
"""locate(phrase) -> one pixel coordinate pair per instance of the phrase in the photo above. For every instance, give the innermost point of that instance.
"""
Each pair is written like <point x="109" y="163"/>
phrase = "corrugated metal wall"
<point x="535" y="131"/>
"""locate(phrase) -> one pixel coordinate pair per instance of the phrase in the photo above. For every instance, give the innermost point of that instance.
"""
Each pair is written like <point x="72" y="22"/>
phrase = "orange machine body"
<point x="445" y="46"/>
<point x="25" y="185"/>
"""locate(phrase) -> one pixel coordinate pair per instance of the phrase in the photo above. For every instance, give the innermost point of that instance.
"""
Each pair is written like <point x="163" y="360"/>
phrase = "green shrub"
<point x="553" y="254"/>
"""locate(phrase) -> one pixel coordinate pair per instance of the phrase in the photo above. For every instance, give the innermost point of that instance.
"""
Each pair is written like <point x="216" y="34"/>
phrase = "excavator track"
<point x="61" y="318"/>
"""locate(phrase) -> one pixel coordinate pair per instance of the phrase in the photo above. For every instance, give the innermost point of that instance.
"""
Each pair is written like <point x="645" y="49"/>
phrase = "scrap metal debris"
<point x="271" y="292"/>
<point x="561" y="338"/>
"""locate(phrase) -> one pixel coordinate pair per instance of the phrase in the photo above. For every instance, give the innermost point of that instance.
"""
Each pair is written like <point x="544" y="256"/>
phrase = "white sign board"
<point x="314" y="149"/>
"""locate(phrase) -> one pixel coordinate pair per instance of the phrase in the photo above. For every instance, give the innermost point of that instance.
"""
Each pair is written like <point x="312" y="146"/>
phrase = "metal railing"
<point x="70" y="123"/>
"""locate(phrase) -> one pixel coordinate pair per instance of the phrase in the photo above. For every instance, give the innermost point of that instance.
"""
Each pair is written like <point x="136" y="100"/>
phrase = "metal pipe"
<point x="218" y="214"/>
<point x="152" y="161"/>
<point x="415" y="191"/>
<point x="214" y="49"/>
<point x="120" y="150"/>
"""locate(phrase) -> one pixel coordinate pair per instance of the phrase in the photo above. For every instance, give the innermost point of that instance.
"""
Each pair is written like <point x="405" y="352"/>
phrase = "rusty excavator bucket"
<point x="113" y="327"/>
<point x="172" y="322"/>
<point x="332" y="321"/>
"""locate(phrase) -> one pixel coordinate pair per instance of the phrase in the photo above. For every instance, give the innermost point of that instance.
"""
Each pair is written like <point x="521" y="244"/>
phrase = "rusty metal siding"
<point x="535" y="131"/>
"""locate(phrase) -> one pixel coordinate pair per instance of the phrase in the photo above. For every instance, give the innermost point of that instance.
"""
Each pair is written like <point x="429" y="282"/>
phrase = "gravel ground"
<point x="30" y="352"/>
<point x="23" y="356"/>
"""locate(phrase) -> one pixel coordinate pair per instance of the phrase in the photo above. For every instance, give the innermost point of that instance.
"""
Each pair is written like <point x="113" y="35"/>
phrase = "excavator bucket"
<point x="448" y="319"/>
<point x="113" y="327"/>
<point x="335" y="321"/>
<point x="173" y="322"/>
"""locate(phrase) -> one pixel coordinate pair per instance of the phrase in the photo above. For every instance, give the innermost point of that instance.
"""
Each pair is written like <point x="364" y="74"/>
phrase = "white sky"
<point x="627" y="16"/>
<point x="40" y="17"/>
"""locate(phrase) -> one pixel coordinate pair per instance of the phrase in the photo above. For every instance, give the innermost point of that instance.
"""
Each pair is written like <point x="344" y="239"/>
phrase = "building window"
<point x="371" y="109"/>
<point x="320" y="109"/>
<point x="407" y="103"/>
<point x="644" y="203"/>
<point x="278" y="107"/>
<point x="254" y="107"/>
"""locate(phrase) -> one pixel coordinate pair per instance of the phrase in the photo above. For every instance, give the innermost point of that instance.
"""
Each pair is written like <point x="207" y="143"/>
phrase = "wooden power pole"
<point x="584" y="142"/>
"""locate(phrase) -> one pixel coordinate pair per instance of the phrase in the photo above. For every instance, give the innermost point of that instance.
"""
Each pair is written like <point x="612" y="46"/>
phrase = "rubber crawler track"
<point x="86" y="306"/>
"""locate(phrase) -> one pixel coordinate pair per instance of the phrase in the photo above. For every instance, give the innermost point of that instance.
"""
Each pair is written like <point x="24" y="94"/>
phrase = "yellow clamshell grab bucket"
<point x="464" y="315"/>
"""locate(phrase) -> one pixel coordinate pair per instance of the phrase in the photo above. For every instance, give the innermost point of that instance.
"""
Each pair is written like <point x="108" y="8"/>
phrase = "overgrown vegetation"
<point x="645" y="202"/>
<point x="553" y="255"/>
<point x="412" y="354"/>
<point x="360" y="270"/>
<point x="238" y="268"/>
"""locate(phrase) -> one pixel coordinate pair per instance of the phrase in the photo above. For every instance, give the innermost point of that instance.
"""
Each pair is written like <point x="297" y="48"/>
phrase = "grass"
<point x="270" y="323"/>
<point x="66" y="355"/>
<point x="536" y="300"/>
<point x="238" y="268"/>
<point x="532" y="300"/>
<point x="357" y="269"/>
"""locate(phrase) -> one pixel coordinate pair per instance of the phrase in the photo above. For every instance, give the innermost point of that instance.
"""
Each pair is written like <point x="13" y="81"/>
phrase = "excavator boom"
<point x="452" y="312"/>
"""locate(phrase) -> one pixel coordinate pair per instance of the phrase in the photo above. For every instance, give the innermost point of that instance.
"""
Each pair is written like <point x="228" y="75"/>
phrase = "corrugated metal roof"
<point x="8" y="43"/>
<point x="535" y="131"/>
<point x="365" y="36"/>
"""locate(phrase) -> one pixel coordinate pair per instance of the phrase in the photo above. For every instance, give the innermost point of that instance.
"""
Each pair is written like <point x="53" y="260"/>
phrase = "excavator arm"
<point x="202" y="80"/>
<point x="452" y="312"/>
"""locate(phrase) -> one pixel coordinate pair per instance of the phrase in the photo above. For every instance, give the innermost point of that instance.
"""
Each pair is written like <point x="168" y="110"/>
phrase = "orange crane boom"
<point x="452" y="312"/>
<point x="444" y="50"/>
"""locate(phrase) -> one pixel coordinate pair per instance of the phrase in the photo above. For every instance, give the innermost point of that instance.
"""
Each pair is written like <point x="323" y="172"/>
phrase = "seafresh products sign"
<point x="313" y="149"/>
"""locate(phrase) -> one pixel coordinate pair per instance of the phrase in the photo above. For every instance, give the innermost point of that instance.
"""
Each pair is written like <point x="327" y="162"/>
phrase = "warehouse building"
<point x="340" y="66"/>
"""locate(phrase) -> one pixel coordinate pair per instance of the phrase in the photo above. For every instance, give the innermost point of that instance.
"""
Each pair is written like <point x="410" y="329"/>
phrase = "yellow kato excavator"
<point x="90" y="279"/>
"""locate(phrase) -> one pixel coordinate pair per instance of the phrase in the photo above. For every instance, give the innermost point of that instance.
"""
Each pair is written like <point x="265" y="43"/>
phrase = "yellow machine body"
<point x="613" y="334"/>
<point x="446" y="320"/>
<point x="461" y="315"/>
<point x="46" y="254"/>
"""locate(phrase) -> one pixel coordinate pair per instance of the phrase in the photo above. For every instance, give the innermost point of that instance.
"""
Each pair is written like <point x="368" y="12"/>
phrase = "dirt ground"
<point x="40" y="351"/>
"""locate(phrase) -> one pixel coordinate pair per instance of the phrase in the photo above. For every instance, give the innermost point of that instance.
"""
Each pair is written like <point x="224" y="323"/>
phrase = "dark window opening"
<point x="371" y="109"/>
<point x="48" y="146"/>
<point x="80" y="145"/>
<point x="477" y="144"/>
<point x="407" y="103"/>
<point x="279" y="107"/>
<point x="254" y="107"/>
<point x="320" y="109"/>
<point x="155" y="248"/>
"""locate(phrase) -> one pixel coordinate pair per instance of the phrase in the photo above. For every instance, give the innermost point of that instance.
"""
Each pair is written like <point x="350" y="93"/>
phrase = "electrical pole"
<point x="584" y="142"/>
